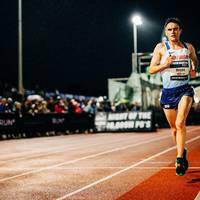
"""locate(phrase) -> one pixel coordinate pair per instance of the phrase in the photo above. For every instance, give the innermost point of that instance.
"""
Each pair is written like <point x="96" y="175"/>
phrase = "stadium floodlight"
<point x="137" y="21"/>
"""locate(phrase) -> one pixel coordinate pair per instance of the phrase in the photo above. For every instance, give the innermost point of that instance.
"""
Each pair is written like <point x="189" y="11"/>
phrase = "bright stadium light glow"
<point x="137" y="20"/>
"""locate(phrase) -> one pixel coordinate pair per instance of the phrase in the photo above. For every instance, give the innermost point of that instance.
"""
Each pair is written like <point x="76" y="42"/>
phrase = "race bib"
<point x="180" y="70"/>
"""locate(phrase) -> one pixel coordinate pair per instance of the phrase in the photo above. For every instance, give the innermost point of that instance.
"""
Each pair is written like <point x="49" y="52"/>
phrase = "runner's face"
<point x="173" y="31"/>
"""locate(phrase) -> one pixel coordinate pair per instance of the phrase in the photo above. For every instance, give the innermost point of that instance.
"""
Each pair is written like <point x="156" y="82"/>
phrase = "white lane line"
<point x="48" y="147"/>
<point x="121" y="171"/>
<point x="84" y="158"/>
<point x="50" y="151"/>
<point x="30" y="144"/>
<point x="89" y="168"/>
<point x="47" y="150"/>
<point x="198" y="196"/>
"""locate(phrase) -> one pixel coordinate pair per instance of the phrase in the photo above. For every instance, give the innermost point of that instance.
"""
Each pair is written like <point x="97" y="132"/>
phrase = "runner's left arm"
<point x="193" y="57"/>
<point x="195" y="61"/>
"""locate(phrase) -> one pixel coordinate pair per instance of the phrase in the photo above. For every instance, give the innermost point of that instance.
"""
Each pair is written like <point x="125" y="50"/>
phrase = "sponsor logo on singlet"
<point x="166" y="106"/>
<point x="179" y="70"/>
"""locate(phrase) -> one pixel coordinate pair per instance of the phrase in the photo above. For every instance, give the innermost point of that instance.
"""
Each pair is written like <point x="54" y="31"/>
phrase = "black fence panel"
<point x="40" y="122"/>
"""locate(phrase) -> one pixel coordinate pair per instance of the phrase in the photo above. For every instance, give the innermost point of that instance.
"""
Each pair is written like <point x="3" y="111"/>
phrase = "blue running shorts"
<point x="171" y="97"/>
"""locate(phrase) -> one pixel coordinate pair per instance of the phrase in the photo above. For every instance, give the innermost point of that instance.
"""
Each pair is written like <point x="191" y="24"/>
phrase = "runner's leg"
<point x="171" y="115"/>
<point x="183" y="110"/>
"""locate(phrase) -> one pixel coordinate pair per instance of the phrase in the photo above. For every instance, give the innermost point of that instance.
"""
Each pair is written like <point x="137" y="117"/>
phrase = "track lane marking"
<point x="57" y="148"/>
<point x="46" y="150"/>
<point x="87" y="168"/>
<point x="51" y="150"/>
<point x="83" y="158"/>
<point x="198" y="196"/>
<point x="123" y="170"/>
<point x="60" y="150"/>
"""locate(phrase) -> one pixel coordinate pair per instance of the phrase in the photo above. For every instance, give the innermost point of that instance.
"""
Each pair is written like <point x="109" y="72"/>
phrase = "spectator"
<point x="75" y="106"/>
<point x="18" y="108"/>
<point x="33" y="109"/>
<point x="90" y="106"/>
<point x="50" y="104"/>
<point x="60" y="107"/>
<point x="9" y="105"/>
<point x="2" y="104"/>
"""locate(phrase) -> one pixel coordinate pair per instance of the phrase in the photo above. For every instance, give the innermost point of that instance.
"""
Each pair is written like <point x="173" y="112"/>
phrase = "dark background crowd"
<point x="40" y="101"/>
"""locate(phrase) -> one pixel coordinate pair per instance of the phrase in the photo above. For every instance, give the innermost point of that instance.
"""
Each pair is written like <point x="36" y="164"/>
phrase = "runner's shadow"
<point x="192" y="172"/>
<point x="194" y="180"/>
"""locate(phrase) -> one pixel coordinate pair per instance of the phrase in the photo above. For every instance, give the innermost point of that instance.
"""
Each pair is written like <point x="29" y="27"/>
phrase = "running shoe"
<point x="185" y="159"/>
<point x="180" y="167"/>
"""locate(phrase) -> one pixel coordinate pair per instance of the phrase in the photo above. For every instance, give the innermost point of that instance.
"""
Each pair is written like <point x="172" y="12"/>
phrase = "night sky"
<point x="76" y="45"/>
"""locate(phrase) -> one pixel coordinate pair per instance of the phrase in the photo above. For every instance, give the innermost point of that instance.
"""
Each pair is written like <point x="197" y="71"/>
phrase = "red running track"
<point x="102" y="166"/>
<point x="166" y="185"/>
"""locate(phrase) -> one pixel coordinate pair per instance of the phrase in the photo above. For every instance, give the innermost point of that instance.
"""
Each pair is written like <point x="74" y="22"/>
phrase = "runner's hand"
<point x="169" y="61"/>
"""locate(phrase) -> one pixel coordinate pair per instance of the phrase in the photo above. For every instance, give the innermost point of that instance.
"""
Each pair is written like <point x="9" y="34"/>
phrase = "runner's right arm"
<point x="155" y="65"/>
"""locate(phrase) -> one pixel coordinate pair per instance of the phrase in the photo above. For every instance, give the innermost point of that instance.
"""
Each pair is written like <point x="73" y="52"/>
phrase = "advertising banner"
<point x="124" y="121"/>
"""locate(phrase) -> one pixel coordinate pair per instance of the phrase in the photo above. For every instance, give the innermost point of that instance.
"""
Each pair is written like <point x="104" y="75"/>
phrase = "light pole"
<point x="136" y="20"/>
<point x="20" y="60"/>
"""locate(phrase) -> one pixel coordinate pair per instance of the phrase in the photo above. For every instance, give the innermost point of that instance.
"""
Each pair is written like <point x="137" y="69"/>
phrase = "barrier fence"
<point x="11" y="123"/>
